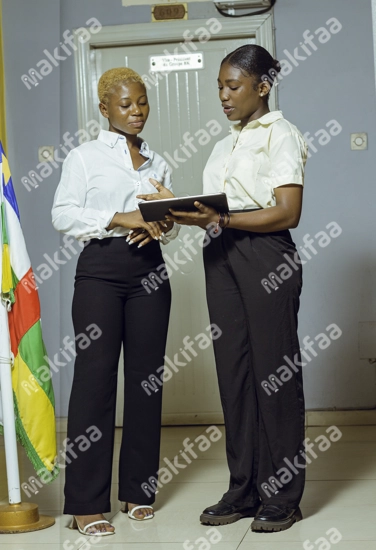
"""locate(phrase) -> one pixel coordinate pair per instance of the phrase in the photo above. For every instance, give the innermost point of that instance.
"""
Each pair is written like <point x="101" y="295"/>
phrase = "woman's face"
<point x="127" y="109"/>
<point x="240" y="100"/>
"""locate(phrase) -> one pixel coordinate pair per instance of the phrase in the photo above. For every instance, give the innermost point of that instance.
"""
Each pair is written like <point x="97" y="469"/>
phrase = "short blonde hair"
<point x="112" y="77"/>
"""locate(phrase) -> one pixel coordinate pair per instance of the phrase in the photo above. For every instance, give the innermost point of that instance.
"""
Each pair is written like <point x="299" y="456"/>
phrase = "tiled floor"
<point x="340" y="494"/>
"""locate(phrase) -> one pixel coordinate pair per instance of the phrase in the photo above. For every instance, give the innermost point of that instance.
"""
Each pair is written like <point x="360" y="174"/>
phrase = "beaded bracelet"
<point x="222" y="222"/>
<point x="217" y="226"/>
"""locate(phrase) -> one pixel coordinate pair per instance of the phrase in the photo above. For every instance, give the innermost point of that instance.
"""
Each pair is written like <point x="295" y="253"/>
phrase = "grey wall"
<point x="33" y="119"/>
<point x="336" y="82"/>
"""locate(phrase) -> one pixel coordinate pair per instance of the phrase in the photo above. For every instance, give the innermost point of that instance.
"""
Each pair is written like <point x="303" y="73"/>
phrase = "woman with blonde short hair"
<point x="96" y="202"/>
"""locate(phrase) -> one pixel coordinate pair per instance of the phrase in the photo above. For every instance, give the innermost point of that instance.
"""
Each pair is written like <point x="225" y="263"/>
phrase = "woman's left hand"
<point x="202" y="218"/>
<point x="142" y="237"/>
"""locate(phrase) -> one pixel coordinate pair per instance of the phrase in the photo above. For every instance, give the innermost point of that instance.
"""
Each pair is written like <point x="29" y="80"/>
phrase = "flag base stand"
<point x="22" y="518"/>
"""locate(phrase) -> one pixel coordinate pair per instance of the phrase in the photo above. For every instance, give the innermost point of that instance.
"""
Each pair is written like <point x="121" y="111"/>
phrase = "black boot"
<point x="223" y="513"/>
<point x="271" y="517"/>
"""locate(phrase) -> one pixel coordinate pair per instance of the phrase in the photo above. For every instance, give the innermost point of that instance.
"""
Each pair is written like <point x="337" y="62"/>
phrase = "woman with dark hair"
<point x="253" y="283"/>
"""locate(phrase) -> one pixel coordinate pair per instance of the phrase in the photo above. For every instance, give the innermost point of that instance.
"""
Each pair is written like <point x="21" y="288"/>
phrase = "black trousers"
<point x="109" y="293"/>
<point x="259" y="325"/>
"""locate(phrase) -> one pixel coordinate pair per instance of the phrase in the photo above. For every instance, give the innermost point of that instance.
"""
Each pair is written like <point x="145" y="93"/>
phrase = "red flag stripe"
<point x="25" y="311"/>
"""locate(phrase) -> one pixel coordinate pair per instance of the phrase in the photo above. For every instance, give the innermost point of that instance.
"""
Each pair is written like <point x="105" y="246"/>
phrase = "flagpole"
<point x="9" y="424"/>
<point x="10" y="439"/>
<point x="15" y="517"/>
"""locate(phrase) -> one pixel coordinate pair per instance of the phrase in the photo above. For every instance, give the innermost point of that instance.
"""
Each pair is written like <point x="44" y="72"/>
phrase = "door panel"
<point x="182" y="101"/>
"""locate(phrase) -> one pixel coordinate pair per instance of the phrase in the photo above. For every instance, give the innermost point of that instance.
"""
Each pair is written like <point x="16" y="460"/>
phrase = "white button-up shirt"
<point x="98" y="180"/>
<point x="251" y="162"/>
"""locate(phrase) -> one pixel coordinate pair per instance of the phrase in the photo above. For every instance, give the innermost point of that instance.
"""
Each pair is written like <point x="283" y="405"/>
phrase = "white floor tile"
<point x="187" y="495"/>
<point x="340" y="492"/>
<point x="172" y="524"/>
<point x="344" y="461"/>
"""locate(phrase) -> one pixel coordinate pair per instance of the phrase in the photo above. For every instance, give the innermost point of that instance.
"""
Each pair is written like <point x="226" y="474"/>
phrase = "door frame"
<point x="259" y="27"/>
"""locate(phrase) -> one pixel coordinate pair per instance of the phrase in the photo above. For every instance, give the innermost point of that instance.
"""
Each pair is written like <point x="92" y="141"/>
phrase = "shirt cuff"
<point x="106" y="219"/>
<point x="171" y="234"/>
<point x="294" y="179"/>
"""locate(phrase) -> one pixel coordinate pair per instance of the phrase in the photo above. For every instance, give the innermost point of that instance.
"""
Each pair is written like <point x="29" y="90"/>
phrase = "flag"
<point x="34" y="403"/>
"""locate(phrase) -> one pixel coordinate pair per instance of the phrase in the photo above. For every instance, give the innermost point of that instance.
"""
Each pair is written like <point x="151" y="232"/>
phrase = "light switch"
<point x="46" y="153"/>
<point x="359" y="141"/>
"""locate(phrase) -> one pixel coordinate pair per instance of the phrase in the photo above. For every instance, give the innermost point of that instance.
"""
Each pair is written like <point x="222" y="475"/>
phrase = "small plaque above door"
<point x="178" y="62"/>
<point x="166" y="12"/>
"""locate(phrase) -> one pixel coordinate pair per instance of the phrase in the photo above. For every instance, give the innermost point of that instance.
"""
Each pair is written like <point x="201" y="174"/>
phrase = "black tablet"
<point x="154" y="211"/>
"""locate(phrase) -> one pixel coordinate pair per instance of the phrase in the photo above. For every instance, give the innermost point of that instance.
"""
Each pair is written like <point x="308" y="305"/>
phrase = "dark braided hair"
<point x="255" y="61"/>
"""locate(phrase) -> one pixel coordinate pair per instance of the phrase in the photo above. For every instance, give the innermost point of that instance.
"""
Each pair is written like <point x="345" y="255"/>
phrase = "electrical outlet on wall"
<point x="46" y="153"/>
<point x="359" y="141"/>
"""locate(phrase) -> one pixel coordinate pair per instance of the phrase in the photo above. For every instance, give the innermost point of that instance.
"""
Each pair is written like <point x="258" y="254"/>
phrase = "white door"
<point x="183" y="103"/>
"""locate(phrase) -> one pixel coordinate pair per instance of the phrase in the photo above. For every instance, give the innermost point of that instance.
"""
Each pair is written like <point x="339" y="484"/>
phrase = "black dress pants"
<point x="264" y="429"/>
<point x="109" y="293"/>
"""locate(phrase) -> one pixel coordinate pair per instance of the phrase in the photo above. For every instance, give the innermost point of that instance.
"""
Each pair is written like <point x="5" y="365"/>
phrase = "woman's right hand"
<point x="163" y="192"/>
<point x="134" y="220"/>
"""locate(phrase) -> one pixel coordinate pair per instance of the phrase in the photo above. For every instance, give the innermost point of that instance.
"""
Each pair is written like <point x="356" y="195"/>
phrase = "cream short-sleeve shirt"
<point x="251" y="162"/>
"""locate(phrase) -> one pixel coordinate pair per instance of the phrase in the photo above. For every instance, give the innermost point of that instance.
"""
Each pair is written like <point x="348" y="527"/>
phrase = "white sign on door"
<point x="178" y="62"/>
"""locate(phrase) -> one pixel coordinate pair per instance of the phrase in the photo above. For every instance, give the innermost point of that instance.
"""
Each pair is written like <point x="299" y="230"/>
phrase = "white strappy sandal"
<point x="74" y="525"/>
<point x="132" y="516"/>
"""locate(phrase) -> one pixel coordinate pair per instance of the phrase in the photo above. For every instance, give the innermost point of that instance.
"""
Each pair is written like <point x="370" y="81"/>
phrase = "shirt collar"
<point x="111" y="139"/>
<point x="265" y="120"/>
<point x="145" y="151"/>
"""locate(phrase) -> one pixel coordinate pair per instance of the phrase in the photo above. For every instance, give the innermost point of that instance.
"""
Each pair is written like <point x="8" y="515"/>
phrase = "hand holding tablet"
<point x="157" y="210"/>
